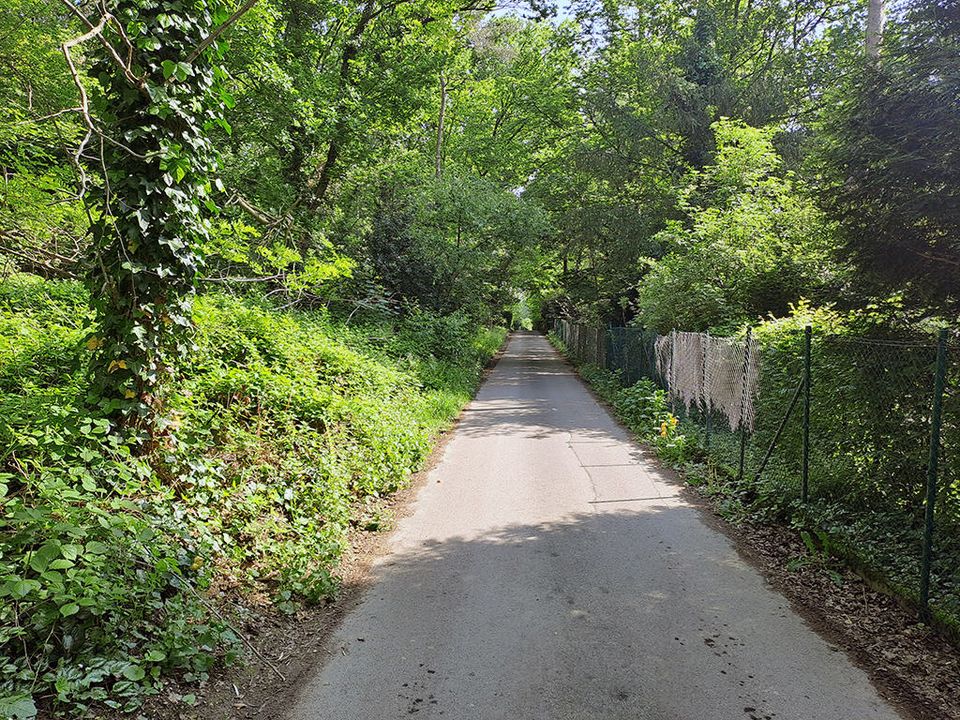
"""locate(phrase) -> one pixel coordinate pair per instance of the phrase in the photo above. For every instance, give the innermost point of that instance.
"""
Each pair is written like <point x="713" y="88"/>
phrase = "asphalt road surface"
<point x="550" y="570"/>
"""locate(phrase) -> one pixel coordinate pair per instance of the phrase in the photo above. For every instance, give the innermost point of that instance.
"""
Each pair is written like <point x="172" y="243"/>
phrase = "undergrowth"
<point x="119" y="570"/>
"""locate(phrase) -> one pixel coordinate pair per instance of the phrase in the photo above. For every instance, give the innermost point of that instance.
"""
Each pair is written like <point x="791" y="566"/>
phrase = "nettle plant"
<point x="158" y="92"/>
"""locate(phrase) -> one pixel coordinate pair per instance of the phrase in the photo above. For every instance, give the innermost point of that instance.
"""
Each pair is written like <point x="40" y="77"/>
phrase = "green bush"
<point x="606" y="383"/>
<point x="643" y="407"/>
<point x="113" y="564"/>
<point x="751" y="243"/>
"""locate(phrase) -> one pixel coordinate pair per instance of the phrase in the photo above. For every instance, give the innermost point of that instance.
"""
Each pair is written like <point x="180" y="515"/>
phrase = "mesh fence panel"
<point x="717" y="375"/>
<point x="870" y="422"/>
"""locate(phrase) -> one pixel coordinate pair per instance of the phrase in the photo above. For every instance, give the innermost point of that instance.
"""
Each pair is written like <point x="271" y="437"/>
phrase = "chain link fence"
<point x="838" y="429"/>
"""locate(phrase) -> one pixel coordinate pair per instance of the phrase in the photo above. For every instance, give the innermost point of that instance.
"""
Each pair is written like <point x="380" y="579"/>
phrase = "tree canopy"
<point x="254" y="252"/>
<point x="452" y="154"/>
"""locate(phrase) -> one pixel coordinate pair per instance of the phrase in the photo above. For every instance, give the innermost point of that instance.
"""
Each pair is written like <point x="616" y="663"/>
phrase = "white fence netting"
<point x="717" y="374"/>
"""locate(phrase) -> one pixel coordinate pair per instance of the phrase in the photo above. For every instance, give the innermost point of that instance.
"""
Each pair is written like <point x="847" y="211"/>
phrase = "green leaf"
<point x="96" y="547"/>
<point x="17" y="707"/>
<point x="168" y="66"/>
<point x="70" y="552"/>
<point x="20" y="588"/>
<point x="134" y="672"/>
<point x="44" y="556"/>
<point x="69" y="609"/>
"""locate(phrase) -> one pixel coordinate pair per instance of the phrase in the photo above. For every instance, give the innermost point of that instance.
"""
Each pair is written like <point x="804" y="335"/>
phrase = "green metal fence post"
<point x="932" y="467"/>
<point x="805" y="476"/>
<point x="704" y="391"/>
<point x="625" y="354"/>
<point x="776" y="436"/>
<point x="671" y="377"/>
<point x="743" y="405"/>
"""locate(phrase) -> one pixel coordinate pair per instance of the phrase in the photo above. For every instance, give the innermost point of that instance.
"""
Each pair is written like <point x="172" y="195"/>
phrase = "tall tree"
<point x="156" y="95"/>
<point x="875" y="18"/>
<point x="891" y="162"/>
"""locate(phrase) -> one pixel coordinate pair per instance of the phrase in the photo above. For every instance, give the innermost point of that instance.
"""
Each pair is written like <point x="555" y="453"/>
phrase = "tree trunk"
<point x="440" y="120"/>
<point x="874" y="30"/>
<point x="318" y="192"/>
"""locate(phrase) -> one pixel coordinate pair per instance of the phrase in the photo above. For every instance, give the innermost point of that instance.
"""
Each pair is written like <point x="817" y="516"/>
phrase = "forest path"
<point x="550" y="570"/>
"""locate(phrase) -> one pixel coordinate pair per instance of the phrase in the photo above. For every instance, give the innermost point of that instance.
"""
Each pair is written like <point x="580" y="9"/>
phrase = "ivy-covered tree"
<point x="157" y="94"/>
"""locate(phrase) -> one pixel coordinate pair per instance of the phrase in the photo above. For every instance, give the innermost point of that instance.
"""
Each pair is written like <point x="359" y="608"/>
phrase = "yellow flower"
<point x="663" y="429"/>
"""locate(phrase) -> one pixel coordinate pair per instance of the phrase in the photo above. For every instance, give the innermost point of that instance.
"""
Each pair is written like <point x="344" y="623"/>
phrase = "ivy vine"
<point x="151" y="210"/>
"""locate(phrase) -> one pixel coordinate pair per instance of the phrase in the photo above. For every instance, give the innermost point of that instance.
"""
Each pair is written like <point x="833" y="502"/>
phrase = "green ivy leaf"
<point x="69" y="609"/>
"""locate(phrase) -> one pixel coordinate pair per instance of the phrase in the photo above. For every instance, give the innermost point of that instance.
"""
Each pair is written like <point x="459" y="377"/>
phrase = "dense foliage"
<point x="891" y="164"/>
<point x="284" y="423"/>
<point x="251" y="254"/>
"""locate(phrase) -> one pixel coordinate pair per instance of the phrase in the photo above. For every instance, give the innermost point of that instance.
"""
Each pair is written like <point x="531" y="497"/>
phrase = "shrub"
<point x="644" y="408"/>
<point x="113" y="564"/>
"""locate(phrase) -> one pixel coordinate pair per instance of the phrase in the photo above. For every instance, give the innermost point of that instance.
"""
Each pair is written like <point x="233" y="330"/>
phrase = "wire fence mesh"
<point x="869" y="434"/>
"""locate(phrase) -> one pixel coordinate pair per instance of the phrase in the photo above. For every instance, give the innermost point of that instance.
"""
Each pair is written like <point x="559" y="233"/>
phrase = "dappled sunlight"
<point x="534" y="393"/>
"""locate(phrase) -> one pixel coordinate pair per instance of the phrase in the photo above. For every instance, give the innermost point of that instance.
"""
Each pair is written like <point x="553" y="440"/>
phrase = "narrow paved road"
<point x="550" y="571"/>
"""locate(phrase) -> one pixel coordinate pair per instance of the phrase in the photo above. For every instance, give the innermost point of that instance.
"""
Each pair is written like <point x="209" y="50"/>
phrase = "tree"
<point x="752" y="243"/>
<point x="875" y="12"/>
<point x="156" y="95"/>
<point x="891" y="172"/>
<point x="42" y="223"/>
